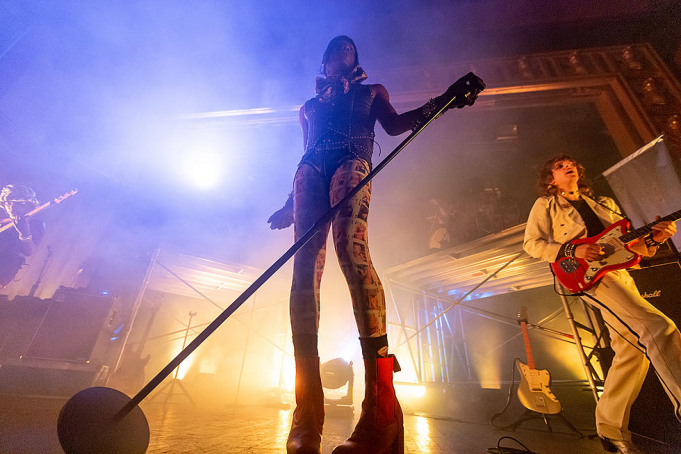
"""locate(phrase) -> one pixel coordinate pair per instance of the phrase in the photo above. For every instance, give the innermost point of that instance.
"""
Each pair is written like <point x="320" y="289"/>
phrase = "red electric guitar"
<point x="578" y="275"/>
<point x="533" y="391"/>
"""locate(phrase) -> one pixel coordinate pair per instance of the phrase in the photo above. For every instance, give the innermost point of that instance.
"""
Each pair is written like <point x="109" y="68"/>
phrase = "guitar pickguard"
<point x="614" y="254"/>
<point x="534" y="391"/>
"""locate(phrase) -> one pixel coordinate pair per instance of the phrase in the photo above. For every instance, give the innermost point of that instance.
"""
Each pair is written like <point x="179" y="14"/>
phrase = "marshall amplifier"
<point x="652" y="414"/>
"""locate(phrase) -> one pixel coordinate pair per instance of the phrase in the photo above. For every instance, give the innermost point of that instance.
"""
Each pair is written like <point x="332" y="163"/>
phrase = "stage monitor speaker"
<point x="77" y="327"/>
<point x="652" y="414"/>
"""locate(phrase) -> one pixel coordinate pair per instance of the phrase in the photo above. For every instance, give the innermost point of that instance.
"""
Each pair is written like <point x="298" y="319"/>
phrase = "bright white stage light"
<point x="203" y="169"/>
<point x="409" y="391"/>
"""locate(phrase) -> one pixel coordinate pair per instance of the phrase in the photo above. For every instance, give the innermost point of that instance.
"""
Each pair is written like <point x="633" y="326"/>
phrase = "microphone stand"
<point x="307" y="236"/>
<point x="42" y="272"/>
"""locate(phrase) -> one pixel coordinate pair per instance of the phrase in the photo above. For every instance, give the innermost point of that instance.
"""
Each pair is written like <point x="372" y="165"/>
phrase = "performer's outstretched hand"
<point x="466" y="90"/>
<point x="281" y="219"/>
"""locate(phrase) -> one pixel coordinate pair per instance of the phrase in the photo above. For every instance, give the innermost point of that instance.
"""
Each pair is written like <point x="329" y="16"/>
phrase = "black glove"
<point x="466" y="91"/>
<point x="283" y="218"/>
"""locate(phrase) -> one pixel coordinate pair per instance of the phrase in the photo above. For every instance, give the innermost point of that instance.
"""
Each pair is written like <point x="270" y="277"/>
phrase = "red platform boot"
<point x="305" y="436"/>
<point x="380" y="429"/>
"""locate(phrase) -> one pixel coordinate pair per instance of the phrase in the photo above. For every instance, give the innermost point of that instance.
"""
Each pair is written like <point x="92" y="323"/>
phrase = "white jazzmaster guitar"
<point x="534" y="392"/>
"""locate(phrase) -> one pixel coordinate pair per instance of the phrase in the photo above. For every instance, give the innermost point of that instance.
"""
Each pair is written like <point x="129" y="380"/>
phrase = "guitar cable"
<point x="581" y="296"/>
<point x="508" y="400"/>
<point x="504" y="450"/>
<point x="612" y="327"/>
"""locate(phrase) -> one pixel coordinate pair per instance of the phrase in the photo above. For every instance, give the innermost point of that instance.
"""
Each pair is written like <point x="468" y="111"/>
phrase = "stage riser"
<point x="47" y="381"/>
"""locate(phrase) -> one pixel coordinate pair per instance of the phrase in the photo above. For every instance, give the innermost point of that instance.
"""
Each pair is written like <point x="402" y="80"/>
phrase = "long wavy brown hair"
<point x="546" y="176"/>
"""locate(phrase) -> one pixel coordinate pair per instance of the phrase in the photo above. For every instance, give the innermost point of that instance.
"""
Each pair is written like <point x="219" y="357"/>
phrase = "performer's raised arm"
<point x="464" y="92"/>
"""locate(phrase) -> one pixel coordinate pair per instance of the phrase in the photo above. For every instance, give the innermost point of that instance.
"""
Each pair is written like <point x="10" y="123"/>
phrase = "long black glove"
<point x="466" y="91"/>
<point x="282" y="218"/>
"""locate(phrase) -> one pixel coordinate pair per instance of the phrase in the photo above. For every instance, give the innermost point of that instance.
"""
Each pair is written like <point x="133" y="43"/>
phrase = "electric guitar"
<point x="578" y="275"/>
<point x="534" y="392"/>
<point x="7" y="223"/>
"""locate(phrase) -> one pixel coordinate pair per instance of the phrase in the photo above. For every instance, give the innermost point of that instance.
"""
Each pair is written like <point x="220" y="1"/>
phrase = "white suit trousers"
<point x="640" y="335"/>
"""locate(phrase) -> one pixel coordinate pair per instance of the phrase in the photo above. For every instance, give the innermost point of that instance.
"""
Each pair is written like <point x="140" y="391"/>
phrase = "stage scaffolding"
<point x="211" y="286"/>
<point x="437" y="345"/>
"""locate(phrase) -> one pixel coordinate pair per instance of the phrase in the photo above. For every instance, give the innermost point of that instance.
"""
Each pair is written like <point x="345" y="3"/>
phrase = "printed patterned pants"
<point x="313" y="195"/>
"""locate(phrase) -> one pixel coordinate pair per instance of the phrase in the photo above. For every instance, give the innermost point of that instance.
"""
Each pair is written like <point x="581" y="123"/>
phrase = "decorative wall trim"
<point x="634" y="91"/>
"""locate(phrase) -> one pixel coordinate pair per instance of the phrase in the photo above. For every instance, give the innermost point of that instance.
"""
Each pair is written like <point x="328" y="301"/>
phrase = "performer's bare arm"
<point x="466" y="91"/>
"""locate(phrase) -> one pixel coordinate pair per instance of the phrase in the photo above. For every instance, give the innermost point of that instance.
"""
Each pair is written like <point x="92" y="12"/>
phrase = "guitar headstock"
<point x="522" y="315"/>
<point x="65" y="196"/>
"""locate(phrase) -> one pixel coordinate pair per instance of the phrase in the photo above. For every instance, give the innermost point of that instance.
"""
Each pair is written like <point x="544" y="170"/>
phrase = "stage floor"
<point x="29" y="426"/>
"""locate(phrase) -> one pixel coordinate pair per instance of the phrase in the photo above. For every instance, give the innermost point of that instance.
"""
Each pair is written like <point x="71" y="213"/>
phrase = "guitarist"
<point x="21" y="241"/>
<point x="640" y="333"/>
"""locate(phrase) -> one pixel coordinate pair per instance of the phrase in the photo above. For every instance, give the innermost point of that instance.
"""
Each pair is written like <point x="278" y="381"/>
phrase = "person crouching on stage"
<point x="338" y="136"/>
<point x="566" y="211"/>
<point x="18" y="243"/>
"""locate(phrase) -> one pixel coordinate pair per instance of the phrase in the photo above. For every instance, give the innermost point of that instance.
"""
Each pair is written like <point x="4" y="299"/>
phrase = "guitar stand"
<point x="529" y="415"/>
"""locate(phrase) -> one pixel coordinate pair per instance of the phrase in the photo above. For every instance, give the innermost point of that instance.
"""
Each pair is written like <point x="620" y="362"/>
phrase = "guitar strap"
<point x="610" y="209"/>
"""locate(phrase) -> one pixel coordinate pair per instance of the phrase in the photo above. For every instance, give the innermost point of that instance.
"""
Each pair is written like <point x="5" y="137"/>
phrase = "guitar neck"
<point x="528" y="349"/>
<point x="648" y="228"/>
<point x="40" y="208"/>
<point x="30" y="213"/>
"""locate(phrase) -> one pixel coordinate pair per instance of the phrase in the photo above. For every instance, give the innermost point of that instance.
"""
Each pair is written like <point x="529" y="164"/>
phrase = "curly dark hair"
<point x="546" y="176"/>
<point x="334" y="44"/>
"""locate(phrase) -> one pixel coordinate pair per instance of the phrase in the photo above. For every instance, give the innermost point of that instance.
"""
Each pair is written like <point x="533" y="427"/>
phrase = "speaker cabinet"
<point x="59" y="346"/>
<point x="652" y="414"/>
<point x="20" y="318"/>
<point x="42" y="377"/>
<point x="77" y="327"/>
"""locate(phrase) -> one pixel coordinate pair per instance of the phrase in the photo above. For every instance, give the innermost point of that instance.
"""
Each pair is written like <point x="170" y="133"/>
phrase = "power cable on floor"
<point x="499" y="449"/>
<point x="503" y="450"/>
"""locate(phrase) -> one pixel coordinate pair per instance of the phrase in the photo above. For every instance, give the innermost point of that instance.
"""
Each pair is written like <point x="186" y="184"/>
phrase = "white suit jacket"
<point x="554" y="221"/>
